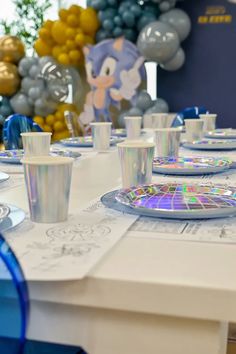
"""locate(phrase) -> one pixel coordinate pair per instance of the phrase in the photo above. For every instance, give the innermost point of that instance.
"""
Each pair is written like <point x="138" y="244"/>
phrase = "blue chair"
<point x="13" y="126"/>
<point x="14" y="302"/>
<point x="190" y="112"/>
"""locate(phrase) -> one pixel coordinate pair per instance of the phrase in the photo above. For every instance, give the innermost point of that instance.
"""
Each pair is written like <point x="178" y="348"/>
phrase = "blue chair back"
<point x="190" y="112"/>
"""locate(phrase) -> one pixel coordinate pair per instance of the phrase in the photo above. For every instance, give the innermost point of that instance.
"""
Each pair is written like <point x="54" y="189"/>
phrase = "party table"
<point x="147" y="295"/>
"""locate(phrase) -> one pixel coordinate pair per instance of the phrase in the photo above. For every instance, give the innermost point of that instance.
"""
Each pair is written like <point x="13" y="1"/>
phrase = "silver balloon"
<point x="27" y="83"/>
<point x="34" y="71"/>
<point x="159" y="106"/>
<point x="158" y="42"/>
<point x="144" y="101"/>
<point x="166" y="5"/>
<point x="44" y="107"/>
<point x="35" y="92"/>
<point x="25" y="65"/>
<point x="178" y="19"/>
<point x="176" y="62"/>
<point x="121" y="120"/>
<point x="20" y="104"/>
<point x="134" y="111"/>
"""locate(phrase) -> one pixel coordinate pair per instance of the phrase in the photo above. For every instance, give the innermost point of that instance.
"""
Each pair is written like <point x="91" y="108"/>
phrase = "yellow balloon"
<point x="42" y="48"/>
<point x="89" y="21"/>
<point x="12" y="50"/>
<point x="59" y="32"/>
<point x="9" y="79"/>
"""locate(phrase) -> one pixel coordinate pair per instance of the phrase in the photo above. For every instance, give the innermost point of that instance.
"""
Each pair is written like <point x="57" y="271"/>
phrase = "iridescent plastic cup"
<point x="194" y="129"/>
<point x="36" y="143"/>
<point x="133" y="127"/>
<point x="101" y="132"/>
<point x="167" y="142"/>
<point x="48" y="181"/>
<point x="209" y="122"/>
<point x="136" y="162"/>
<point x="161" y="120"/>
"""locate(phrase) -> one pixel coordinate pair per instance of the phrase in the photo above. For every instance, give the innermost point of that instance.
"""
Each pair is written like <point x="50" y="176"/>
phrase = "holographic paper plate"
<point x="85" y="141"/>
<point x="122" y="133"/>
<point x="12" y="219"/>
<point x="15" y="156"/>
<point x="180" y="201"/>
<point x="222" y="134"/>
<point x="211" y="145"/>
<point x="189" y="165"/>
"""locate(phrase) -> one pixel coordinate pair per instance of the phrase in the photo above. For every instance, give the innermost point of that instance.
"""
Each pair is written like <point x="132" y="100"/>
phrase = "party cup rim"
<point x="36" y="134"/>
<point x="100" y="123"/>
<point x="193" y="119"/>
<point x="47" y="160"/>
<point x="135" y="144"/>
<point x="133" y="117"/>
<point x="212" y="115"/>
<point x="170" y="129"/>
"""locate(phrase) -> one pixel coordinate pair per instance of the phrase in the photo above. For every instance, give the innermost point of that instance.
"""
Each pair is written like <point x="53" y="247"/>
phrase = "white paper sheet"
<point x="68" y="250"/>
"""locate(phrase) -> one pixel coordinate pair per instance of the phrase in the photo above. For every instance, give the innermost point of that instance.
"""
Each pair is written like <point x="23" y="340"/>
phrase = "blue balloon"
<point x="5" y="110"/>
<point x="136" y="10"/>
<point x="108" y="24"/>
<point x="118" y="21"/>
<point x="123" y="7"/>
<point x="101" y="35"/>
<point x="130" y="34"/>
<point x="128" y="19"/>
<point x="98" y="4"/>
<point x="151" y="9"/>
<point x="107" y="14"/>
<point x="112" y="2"/>
<point x="145" y="20"/>
<point x="117" y="32"/>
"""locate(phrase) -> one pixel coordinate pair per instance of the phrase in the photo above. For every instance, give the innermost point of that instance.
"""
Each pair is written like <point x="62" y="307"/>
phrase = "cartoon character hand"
<point x="87" y="116"/>
<point x="131" y="79"/>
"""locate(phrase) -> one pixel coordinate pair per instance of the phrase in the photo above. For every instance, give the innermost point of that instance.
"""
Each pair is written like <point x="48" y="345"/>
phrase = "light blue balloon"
<point x="5" y="110"/>
<point x="107" y="14"/>
<point x="158" y="42"/>
<point x="108" y="24"/>
<point x="144" y="101"/>
<point x="176" y="62"/>
<point x="178" y="19"/>
<point x="128" y="19"/>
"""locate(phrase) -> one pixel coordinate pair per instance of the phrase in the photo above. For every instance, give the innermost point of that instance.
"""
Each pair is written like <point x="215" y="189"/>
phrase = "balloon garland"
<point x="38" y="86"/>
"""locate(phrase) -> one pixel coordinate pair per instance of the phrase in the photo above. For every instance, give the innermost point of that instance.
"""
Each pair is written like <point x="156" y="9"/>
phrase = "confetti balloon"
<point x="158" y="42"/>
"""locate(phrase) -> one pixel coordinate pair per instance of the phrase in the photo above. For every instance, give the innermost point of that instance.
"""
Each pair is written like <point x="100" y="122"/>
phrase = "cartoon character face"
<point x="105" y="78"/>
<point x="106" y="60"/>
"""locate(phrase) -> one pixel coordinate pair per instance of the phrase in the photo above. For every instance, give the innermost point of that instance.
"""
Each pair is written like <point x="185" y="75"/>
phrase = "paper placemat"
<point x="68" y="250"/>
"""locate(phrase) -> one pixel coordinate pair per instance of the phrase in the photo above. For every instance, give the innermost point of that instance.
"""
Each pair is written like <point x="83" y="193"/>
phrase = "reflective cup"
<point x="167" y="142"/>
<point x="194" y="129"/>
<point x="48" y="181"/>
<point x="133" y="127"/>
<point x="209" y="122"/>
<point x="136" y="162"/>
<point x="101" y="132"/>
<point x="161" y="120"/>
<point x="36" y="143"/>
<point x="147" y="121"/>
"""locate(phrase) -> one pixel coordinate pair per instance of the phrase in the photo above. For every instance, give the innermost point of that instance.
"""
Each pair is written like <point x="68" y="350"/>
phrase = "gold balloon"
<point x="9" y="79"/>
<point x="12" y="50"/>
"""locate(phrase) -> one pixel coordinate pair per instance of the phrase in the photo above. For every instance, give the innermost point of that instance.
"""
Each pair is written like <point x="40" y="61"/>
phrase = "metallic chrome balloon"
<point x="158" y="42"/>
<point x="176" y="62"/>
<point x="178" y="19"/>
<point x="159" y="106"/>
<point x="9" y="79"/>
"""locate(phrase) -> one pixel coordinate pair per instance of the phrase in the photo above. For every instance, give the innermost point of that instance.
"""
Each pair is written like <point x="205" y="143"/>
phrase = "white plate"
<point x="86" y="141"/>
<point x="4" y="177"/>
<point x="189" y="165"/>
<point x="206" y="144"/>
<point x="222" y="134"/>
<point x="180" y="200"/>
<point x="14" y="218"/>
